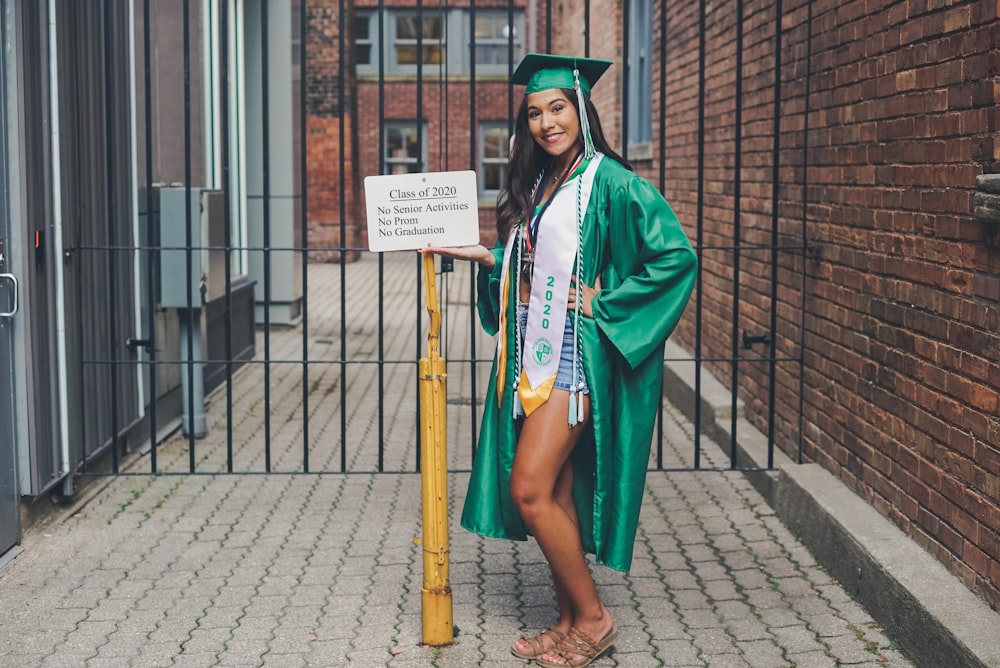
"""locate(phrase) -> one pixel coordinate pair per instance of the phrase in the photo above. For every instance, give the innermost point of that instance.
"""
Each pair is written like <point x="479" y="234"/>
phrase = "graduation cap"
<point x="542" y="71"/>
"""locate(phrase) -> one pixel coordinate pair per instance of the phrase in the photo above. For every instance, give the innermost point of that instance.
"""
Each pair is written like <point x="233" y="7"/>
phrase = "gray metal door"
<point x="10" y="527"/>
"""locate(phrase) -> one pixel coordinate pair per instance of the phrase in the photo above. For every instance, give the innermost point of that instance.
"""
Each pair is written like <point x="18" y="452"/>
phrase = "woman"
<point x="591" y="274"/>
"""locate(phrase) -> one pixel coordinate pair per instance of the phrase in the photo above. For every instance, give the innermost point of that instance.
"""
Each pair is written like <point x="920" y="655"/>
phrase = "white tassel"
<point x="572" y="409"/>
<point x="518" y="408"/>
<point x="588" y="142"/>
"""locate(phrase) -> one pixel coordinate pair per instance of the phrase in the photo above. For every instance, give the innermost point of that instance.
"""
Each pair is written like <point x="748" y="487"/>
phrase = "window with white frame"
<point x="640" y="77"/>
<point x="413" y="32"/>
<point x="394" y="39"/>
<point x="494" y="35"/>
<point x="363" y="33"/>
<point x="494" y="138"/>
<point x="405" y="150"/>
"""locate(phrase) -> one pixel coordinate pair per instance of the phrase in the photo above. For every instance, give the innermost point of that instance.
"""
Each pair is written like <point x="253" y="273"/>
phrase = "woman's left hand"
<point x="586" y="296"/>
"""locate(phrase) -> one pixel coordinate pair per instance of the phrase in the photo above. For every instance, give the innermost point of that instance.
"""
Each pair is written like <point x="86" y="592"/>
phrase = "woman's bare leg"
<point x="563" y="495"/>
<point x="541" y="487"/>
<point x="564" y="498"/>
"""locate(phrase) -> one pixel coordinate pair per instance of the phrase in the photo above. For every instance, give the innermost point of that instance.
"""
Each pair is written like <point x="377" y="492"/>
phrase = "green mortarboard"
<point x="541" y="71"/>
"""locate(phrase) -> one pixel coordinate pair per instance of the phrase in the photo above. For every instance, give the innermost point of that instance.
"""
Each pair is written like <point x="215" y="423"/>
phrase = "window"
<point x="397" y="41"/>
<point x="296" y="38"/>
<point x="493" y="157"/>
<point x="432" y="46"/>
<point x="493" y="35"/>
<point x="363" y="38"/>
<point x="405" y="152"/>
<point x="639" y="105"/>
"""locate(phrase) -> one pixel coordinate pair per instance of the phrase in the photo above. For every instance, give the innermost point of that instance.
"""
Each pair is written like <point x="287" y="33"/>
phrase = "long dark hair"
<point x="528" y="159"/>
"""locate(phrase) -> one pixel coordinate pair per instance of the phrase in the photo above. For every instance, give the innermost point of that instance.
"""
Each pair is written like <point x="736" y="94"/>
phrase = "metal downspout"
<point x="57" y="240"/>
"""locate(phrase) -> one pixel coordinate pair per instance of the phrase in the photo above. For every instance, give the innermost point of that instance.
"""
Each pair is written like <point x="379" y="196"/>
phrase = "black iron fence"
<point x="218" y="331"/>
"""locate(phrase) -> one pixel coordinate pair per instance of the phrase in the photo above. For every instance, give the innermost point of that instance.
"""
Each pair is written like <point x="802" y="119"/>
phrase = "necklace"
<point x="556" y="176"/>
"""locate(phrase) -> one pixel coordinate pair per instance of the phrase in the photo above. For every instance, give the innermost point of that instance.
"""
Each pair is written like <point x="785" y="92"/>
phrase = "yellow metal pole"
<point x="435" y="599"/>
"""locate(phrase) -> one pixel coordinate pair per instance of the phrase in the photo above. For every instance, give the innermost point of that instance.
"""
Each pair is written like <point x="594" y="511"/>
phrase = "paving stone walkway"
<point x="324" y="568"/>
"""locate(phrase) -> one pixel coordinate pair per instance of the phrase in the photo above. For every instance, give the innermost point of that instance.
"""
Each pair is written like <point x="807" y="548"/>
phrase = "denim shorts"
<point x="564" y="376"/>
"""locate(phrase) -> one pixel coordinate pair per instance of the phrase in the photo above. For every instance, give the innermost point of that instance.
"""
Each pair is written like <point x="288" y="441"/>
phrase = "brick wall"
<point x="905" y="118"/>
<point x="886" y="286"/>
<point x="335" y="217"/>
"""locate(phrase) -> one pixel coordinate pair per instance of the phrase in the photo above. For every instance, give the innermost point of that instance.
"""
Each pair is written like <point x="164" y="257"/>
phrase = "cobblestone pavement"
<point x="324" y="569"/>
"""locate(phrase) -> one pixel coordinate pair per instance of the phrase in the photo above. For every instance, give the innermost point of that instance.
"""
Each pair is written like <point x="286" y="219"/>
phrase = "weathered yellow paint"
<point x="436" y="607"/>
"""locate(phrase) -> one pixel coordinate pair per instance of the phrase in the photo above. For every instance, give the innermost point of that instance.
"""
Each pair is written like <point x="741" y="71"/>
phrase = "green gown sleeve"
<point x="488" y="288"/>
<point x="651" y="272"/>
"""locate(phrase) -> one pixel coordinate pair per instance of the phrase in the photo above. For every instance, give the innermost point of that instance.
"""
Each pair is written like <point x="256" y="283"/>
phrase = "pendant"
<point x="527" y="266"/>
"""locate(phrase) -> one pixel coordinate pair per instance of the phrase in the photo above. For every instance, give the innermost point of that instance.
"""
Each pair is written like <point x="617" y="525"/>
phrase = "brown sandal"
<point x="579" y="644"/>
<point x="537" y="649"/>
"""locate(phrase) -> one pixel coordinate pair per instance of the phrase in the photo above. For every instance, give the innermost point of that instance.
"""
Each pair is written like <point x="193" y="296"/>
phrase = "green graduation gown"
<point x="634" y="242"/>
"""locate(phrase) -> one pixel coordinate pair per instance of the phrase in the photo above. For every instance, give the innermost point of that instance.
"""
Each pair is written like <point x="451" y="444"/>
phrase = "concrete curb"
<point x="928" y="610"/>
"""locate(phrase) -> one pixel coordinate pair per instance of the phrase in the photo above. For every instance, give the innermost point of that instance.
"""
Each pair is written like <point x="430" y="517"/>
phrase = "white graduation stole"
<point x="555" y="256"/>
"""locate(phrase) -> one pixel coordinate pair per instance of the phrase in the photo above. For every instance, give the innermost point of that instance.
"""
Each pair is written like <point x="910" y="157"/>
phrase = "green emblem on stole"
<point x="542" y="350"/>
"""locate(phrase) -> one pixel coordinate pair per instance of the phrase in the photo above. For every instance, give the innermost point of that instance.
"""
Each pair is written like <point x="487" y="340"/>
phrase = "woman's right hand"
<point x="478" y="253"/>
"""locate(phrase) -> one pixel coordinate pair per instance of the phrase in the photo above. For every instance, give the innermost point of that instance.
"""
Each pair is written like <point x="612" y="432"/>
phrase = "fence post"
<point x="435" y="599"/>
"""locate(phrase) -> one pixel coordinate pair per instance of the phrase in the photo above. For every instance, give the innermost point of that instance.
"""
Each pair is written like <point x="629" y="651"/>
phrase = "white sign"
<point x="410" y="211"/>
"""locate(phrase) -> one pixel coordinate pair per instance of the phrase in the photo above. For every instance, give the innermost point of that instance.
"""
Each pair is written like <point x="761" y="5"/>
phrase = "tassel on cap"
<point x="588" y="141"/>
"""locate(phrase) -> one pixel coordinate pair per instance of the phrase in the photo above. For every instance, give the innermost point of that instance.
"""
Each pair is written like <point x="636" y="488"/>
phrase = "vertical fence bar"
<point x="227" y="215"/>
<point x="147" y="75"/>
<point x="700" y="218"/>
<point x="548" y="26"/>
<point x="188" y="239"/>
<point x="662" y="183"/>
<point x="419" y="260"/>
<point x="443" y="107"/>
<point x="473" y="159"/>
<point x="775" y="175"/>
<point x="226" y="204"/>
<point x="510" y="71"/>
<point x="227" y="231"/>
<point x="265" y="142"/>
<point x="79" y="242"/>
<point x="805" y="216"/>
<point x="737" y="232"/>
<point x="109" y="175"/>
<point x="586" y="28"/>
<point x="78" y="272"/>
<point x="381" y="256"/>
<point x="626" y="72"/>
<point x="304" y="210"/>
<point x="343" y="231"/>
